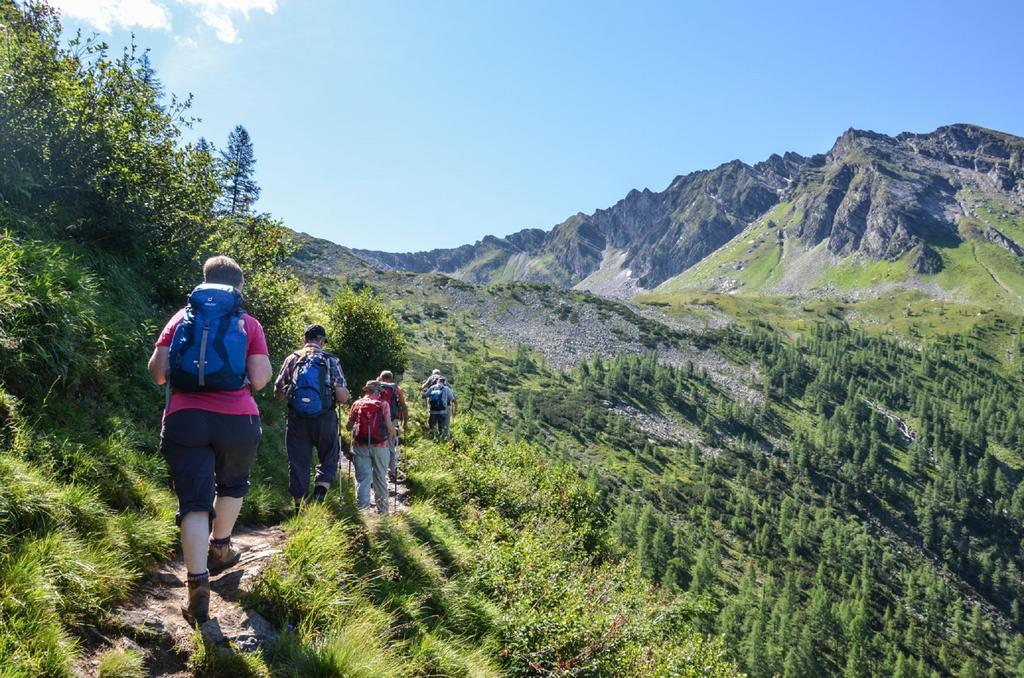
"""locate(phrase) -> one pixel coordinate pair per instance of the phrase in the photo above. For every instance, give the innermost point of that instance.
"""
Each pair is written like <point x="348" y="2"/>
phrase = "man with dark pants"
<point x="442" y="404"/>
<point x="211" y="425"/>
<point x="314" y="384"/>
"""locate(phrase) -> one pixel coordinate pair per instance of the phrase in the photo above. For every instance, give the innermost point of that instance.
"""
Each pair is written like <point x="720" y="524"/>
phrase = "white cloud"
<point x="220" y="15"/>
<point x="104" y="15"/>
<point x="186" y="41"/>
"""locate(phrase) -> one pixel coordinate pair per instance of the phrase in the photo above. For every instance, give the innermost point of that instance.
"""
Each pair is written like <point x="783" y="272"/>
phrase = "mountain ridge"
<point x="871" y="197"/>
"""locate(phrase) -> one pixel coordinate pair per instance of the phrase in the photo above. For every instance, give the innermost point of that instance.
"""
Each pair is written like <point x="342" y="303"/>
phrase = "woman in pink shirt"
<point x="209" y="437"/>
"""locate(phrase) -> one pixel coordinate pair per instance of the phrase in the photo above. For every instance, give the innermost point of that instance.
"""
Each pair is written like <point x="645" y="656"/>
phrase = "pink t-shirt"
<point x="221" y="402"/>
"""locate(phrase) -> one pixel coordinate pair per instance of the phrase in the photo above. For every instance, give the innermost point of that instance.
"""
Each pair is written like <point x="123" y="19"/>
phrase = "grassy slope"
<point x="974" y="270"/>
<point x="471" y="581"/>
<point x="452" y="340"/>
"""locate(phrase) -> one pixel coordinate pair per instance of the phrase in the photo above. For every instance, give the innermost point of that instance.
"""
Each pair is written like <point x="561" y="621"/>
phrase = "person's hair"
<point x="435" y="372"/>
<point x="386" y="375"/>
<point x="314" y="333"/>
<point x="222" y="270"/>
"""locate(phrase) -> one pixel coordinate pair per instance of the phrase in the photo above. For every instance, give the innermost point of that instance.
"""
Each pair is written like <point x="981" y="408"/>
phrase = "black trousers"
<point x="209" y="454"/>
<point x="303" y="435"/>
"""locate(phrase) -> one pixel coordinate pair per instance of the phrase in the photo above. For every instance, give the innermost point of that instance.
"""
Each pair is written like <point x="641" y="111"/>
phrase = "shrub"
<point x="365" y="336"/>
<point x="48" y="329"/>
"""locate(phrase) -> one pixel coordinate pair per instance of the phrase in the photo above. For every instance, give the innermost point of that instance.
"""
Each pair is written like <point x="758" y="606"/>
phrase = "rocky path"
<point x="151" y="623"/>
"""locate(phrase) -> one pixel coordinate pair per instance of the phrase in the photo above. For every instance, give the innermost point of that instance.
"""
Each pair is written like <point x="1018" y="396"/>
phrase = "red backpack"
<point x="369" y="427"/>
<point x="390" y="392"/>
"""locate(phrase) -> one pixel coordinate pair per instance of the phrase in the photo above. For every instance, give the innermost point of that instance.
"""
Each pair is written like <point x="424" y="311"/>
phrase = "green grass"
<point x="858" y="273"/>
<point x="209" y="660"/>
<point x="751" y="258"/>
<point x="71" y="550"/>
<point x="121" y="663"/>
<point x="491" y="572"/>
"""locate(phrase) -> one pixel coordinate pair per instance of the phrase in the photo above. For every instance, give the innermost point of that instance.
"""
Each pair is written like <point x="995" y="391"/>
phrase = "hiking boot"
<point x="319" y="492"/>
<point x="198" y="609"/>
<point x="222" y="556"/>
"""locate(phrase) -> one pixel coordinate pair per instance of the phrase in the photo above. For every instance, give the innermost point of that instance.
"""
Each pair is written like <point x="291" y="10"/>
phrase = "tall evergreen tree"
<point x="239" y="189"/>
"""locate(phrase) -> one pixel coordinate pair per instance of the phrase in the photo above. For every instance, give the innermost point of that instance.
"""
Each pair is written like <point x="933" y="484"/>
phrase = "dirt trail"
<point x="151" y="623"/>
<point x="398" y="493"/>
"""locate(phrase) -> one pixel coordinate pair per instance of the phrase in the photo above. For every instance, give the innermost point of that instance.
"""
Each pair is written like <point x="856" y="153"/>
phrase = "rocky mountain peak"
<point x="871" y="194"/>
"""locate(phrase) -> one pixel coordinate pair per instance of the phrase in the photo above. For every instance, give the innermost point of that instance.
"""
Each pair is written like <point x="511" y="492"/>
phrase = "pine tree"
<point x="239" y="189"/>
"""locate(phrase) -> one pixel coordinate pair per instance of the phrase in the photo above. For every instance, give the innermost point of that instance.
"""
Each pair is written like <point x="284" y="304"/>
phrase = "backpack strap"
<point x="325" y="367"/>
<point x="202" y="353"/>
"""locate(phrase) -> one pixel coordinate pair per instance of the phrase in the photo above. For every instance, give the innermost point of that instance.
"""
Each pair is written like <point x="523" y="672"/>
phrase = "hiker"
<point x="435" y="375"/>
<point x="312" y="381"/>
<point x="213" y="356"/>
<point x="395" y="397"/>
<point x="442" y="404"/>
<point x="369" y="420"/>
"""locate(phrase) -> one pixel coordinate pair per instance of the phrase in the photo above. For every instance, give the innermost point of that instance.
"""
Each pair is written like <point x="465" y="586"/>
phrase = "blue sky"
<point x="412" y="125"/>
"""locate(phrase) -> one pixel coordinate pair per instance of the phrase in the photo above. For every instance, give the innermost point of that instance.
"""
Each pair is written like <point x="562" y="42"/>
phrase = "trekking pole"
<point x="341" y="443"/>
<point x="397" y="438"/>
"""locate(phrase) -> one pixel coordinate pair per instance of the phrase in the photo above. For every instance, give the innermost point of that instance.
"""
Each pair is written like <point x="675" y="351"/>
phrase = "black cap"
<point x="315" y="333"/>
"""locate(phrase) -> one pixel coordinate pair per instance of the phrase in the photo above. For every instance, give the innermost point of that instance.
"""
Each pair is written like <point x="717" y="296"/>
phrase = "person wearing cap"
<point x="399" y="416"/>
<point x="310" y="375"/>
<point x="369" y="421"/>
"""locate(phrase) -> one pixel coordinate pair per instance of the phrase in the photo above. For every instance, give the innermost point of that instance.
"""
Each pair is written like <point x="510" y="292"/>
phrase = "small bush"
<point x="209" y="660"/>
<point x="48" y="329"/>
<point x="121" y="663"/>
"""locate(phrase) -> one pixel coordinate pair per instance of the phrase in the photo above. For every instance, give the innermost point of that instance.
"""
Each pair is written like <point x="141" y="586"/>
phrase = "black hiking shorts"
<point x="209" y="454"/>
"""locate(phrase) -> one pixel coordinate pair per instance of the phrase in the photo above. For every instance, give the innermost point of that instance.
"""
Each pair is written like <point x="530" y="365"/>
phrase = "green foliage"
<point x="365" y="336"/>
<point x="121" y="663"/>
<point x="768" y="509"/>
<point x="239" y="189"/>
<point x="209" y="660"/>
<point x="48" y="326"/>
<point x="66" y="558"/>
<point x="91" y="149"/>
<point x="569" y="607"/>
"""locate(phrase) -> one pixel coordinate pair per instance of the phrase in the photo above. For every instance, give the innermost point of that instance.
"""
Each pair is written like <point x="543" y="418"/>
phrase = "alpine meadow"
<point x="768" y="421"/>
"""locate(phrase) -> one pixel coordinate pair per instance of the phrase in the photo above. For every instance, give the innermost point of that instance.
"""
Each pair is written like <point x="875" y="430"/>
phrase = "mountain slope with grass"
<point x="836" y="478"/>
<point x="940" y="213"/>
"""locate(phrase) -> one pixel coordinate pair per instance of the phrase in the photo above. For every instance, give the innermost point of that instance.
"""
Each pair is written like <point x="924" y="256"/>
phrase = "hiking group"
<point x="213" y="358"/>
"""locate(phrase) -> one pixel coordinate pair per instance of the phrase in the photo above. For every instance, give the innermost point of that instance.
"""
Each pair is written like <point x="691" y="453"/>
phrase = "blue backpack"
<point x="436" y="398"/>
<point x="207" y="351"/>
<point x="312" y="394"/>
